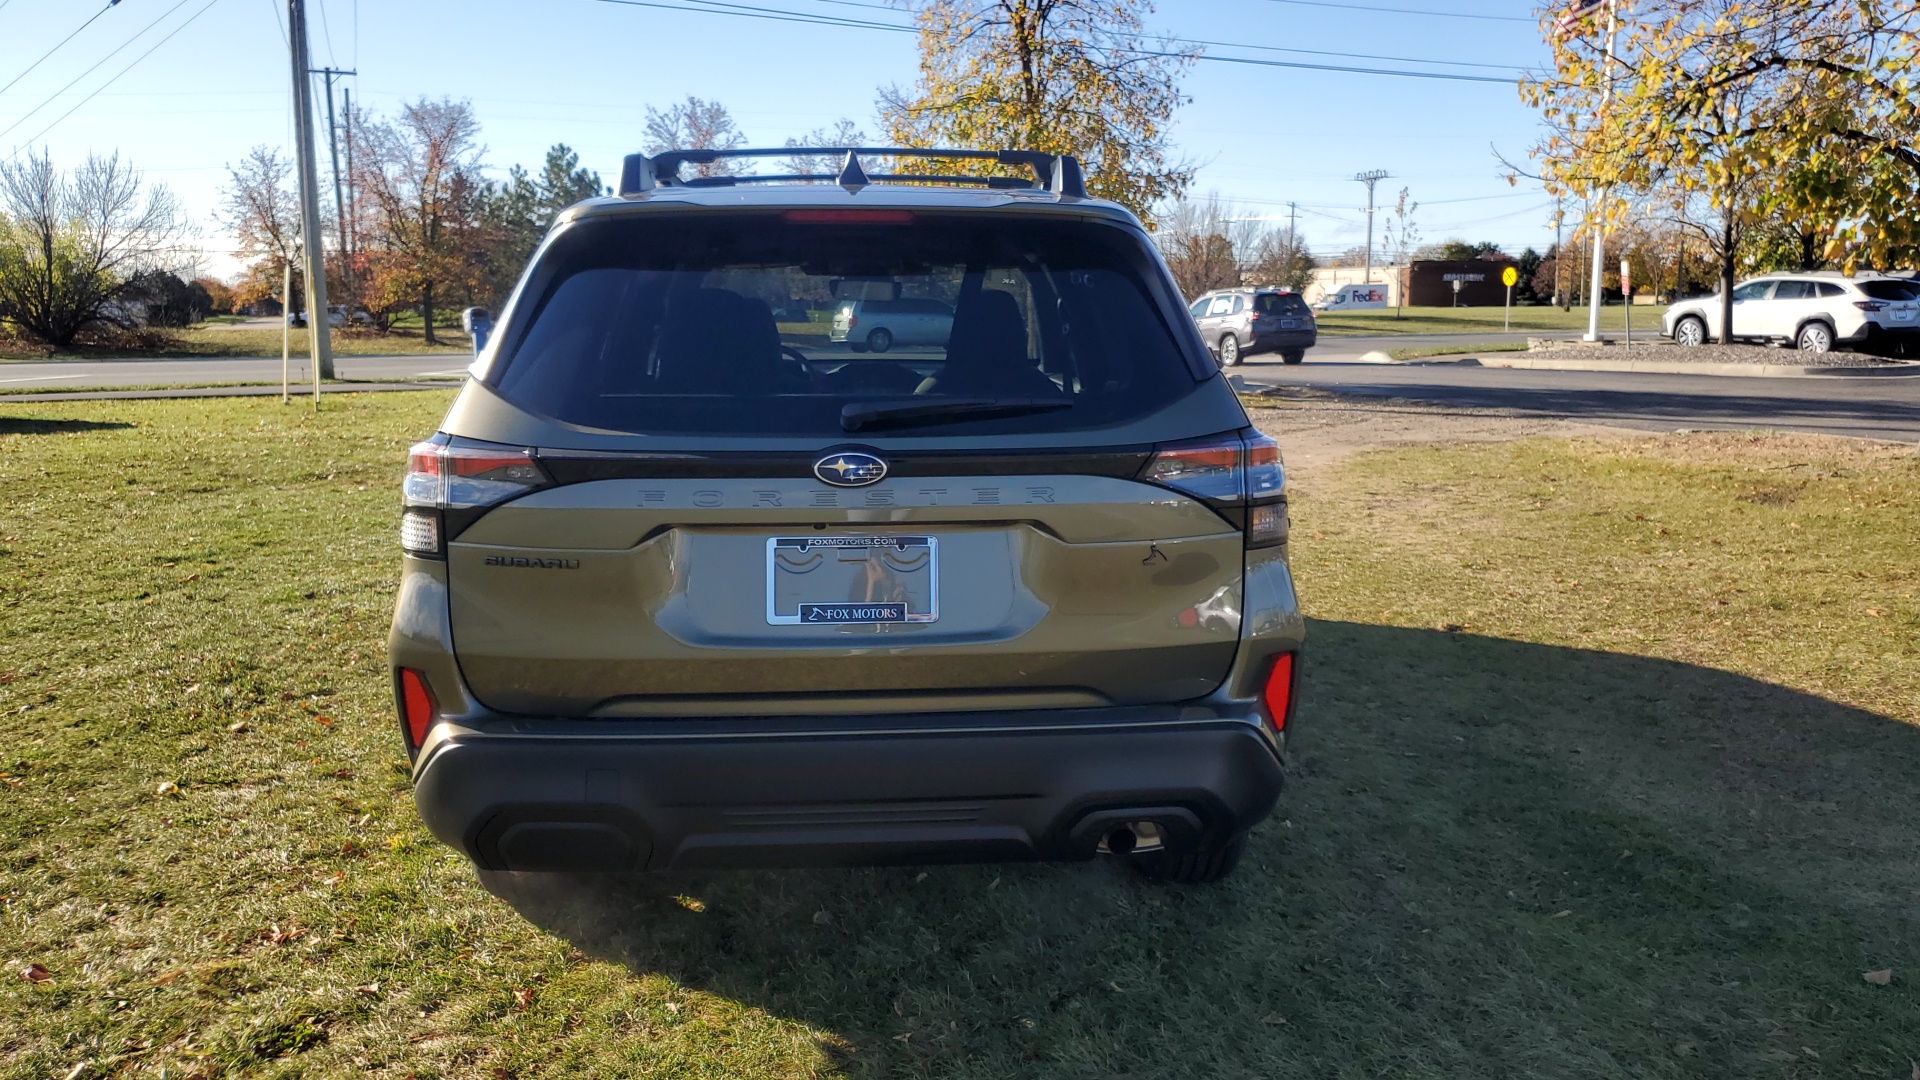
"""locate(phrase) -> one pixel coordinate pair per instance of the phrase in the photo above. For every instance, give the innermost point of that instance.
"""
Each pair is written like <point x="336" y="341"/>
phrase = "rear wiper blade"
<point x="867" y="415"/>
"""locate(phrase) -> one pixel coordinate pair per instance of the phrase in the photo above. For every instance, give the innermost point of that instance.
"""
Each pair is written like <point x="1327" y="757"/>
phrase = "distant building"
<point x="1430" y="283"/>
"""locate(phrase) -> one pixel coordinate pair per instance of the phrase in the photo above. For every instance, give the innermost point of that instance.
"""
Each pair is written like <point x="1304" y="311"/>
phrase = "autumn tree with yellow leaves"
<point x="1060" y="76"/>
<point x="1763" y="110"/>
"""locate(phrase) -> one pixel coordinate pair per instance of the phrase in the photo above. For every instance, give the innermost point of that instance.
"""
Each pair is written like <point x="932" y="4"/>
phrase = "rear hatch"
<point x="1900" y="300"/>
<point x="696" y="511"/>
<point x="1281" y="311"/>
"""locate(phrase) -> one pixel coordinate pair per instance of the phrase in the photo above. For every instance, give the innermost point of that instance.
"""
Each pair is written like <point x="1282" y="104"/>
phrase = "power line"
<point x="745" y="11"/>
<point x="116" y="77"/>
<point x="1241" y="44"/>
<point x="56" y="48"/>
<point x="95" y="66"/>
<point x="1403" y="11"/>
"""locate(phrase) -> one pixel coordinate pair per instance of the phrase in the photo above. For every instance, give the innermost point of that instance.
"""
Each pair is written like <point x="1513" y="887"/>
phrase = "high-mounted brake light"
<point x="1235" y="472"/>
<point x="849" y="217"/>
<point x="416" y="706"/>
<point x="447" y="481"/>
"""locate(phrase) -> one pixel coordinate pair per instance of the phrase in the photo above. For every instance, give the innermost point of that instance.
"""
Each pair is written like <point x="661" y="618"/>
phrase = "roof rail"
<point x="1058" y="173"/>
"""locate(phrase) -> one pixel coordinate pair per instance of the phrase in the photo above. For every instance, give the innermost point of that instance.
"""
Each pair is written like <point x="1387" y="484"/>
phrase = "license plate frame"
<point x="899" y="576"/>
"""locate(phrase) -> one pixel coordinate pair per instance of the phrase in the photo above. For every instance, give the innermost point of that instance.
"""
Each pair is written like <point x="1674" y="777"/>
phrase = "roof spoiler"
<point x="1058" y="173"/>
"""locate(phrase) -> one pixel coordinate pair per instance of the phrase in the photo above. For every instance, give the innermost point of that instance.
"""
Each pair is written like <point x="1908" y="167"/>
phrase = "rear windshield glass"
<point x="1280" y="304"/>
<point x="1889" y="290"/>
<point x="751" y="324"/>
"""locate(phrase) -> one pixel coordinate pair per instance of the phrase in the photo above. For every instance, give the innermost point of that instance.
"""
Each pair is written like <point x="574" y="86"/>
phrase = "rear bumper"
<point x="1898" y="340"/>
<point x="616" y="795"/>
<point x="1275" y="340"/>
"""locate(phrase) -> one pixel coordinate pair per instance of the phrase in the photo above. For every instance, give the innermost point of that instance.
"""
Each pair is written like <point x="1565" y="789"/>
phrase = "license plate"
<point x="852" y="580"/>
<point x="1289" y="324"/>
<point x="1902" y="314"/>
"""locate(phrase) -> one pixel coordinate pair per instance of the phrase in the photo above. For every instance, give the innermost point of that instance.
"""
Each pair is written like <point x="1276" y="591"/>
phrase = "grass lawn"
<point x="1454" y="350"/>
<point x="227" y="341"/>
<point x="1605" y="769"/>
<point x="1443" y="320"/>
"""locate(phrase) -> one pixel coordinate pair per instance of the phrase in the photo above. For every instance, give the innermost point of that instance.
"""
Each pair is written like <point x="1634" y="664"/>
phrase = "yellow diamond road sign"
<point x="1509" y="276"/>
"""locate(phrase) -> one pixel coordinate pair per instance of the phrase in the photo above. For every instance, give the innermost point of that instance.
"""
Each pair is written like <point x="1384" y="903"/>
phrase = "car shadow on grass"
<point x="20" y="425"/>
<point x="1495" y="858"/>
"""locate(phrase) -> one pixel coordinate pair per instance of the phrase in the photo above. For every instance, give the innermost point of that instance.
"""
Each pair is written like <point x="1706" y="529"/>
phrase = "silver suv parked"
<point x="1237" y="323"/>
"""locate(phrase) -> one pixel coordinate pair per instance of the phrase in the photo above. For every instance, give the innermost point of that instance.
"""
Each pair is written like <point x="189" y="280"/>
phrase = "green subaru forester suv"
<point x="688" y="584"/>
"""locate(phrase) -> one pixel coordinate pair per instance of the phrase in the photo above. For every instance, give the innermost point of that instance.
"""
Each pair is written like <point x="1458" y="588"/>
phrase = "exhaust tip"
<point x="1133" y="838"/>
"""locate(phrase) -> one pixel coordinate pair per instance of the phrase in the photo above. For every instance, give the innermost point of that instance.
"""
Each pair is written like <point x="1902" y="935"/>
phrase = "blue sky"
<point x="582" y="71"/>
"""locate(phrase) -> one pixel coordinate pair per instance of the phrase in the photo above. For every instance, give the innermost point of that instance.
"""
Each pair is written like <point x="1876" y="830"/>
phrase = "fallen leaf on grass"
<point x="522" y="997"/>
<point x="323" y="721"/>
<point x="169" y="977"/>
<point x="1562" y="914"/>
<point x="276" y="936"/>
<point x="372" y="989"/>
<point x="1879" y="978"/>
<point x="167" y="787"/>
<point x="1276" y="1020"/>
<point x="821" y="918"/>
<point x="237" y="726"/>
<point x="1876" y="613"/>
<point x="36" y="973"/>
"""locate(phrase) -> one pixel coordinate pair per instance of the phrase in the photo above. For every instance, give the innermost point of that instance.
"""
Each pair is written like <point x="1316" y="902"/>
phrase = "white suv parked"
<point x="1815" y="312"/>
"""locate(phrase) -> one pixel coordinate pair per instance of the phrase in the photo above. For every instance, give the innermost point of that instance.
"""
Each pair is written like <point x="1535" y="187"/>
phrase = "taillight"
<point x="416" y="706"/>
<point x="1238" y="472"/>
<point x="449" y="481"/>
<point x="1277" y="695"/>
<point x="1870" y="305"/>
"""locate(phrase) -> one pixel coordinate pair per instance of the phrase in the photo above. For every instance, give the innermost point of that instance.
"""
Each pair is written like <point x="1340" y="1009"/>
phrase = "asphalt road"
<point x="70" y="374"/>
<point x="1869" y="406"/>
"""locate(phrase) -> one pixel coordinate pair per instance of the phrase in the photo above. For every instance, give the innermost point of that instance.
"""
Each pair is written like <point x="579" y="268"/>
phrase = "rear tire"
<point x="1229" y="351"/>
<point x="1292" y="356"/>
<point x="880" y="340"/>
<point x="1815" y="338"/>
<point x="1200" y="867"/>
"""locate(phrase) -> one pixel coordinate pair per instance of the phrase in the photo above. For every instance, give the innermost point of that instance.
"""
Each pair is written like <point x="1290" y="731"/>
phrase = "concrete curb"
<point x="1659" y="367"/>
<point x="225" y="391"/>
<point x="1673" y="367"/>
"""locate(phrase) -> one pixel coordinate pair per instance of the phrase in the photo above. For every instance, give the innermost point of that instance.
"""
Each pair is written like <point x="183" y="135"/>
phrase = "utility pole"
<point x="339" y="200"/>
<point x="1559" y="257"/>
<point x="313" y="259"/>
<point x="1370" y="179"/>
<point x="1293" y="240"/>
<point x="1597" y="215"/>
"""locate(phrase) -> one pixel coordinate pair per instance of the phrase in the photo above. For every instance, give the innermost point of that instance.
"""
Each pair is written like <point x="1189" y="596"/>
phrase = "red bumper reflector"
<point x="1279" y="691"/>
<point x="416" y="702"/>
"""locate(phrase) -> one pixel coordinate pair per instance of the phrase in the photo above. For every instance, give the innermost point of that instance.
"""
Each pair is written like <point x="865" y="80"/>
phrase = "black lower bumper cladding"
<point x="575" y="796"/>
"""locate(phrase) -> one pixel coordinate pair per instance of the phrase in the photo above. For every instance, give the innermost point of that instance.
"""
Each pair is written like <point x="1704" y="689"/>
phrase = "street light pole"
<point x="1597" y="217"/>
<point x="1370" y="179"/>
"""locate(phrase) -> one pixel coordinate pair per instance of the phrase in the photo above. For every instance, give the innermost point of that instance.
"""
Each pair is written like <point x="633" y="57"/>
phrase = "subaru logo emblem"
<point x="850" y="468"/>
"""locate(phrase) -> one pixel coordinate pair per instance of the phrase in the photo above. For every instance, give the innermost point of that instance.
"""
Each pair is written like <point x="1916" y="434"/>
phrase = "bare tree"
<point x="1208" y="243"/>
<point x="694" y="124"/>
<point x="1402" y="238"/>
<point x="263" y="210"/>
<point x="71" y="244"/>
<point x="844" y="133"/>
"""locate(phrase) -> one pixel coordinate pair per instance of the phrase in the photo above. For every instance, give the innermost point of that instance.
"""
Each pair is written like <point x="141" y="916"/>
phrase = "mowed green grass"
<point x="1475" y="320"/>
<point x="1604" y="769"/>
